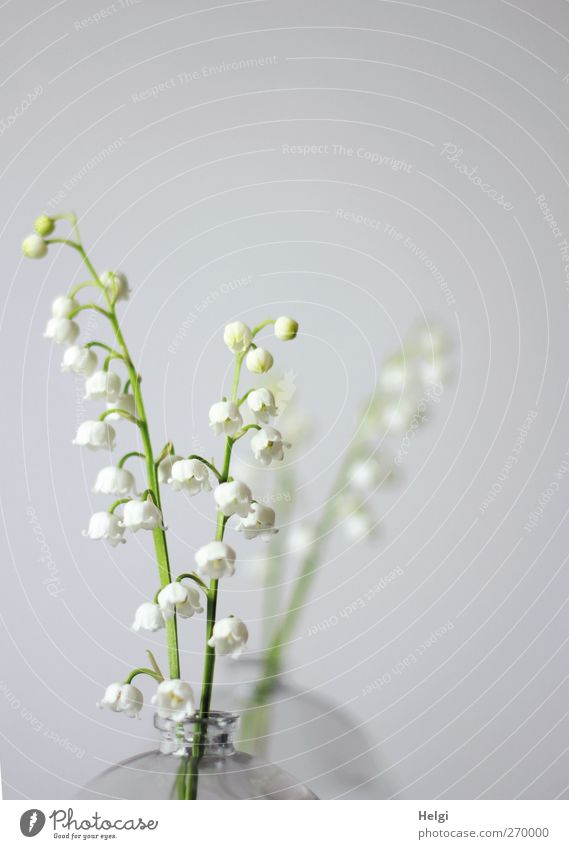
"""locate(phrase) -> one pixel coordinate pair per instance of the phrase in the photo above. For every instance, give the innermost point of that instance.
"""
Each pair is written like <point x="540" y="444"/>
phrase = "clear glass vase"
<point x="301" y="730"/>
<point x="176" y="771"/>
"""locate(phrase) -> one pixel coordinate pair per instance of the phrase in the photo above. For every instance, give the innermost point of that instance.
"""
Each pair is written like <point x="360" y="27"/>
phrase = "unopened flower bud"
<point x="286" y="328"/>
<point x="44" y="225"/>
<point x="34" y="247"/>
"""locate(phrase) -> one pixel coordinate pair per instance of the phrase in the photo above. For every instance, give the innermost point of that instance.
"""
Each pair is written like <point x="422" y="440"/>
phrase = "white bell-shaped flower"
<point x="105" y="525"/>
<point x="123" y="401"/>
<point x="63" y="306"/>
<point x="34" y="247"/>
<point x="116" y="284"/>
<point x="237" y="336"/>
<point x="102" y="386"/>
<point x="63" y="331"/>
<point x="215" y="560"/>
<point x="229" y="636"/>
<point x="286" y="328"/>
<point x="176" y="598"/>
<point x="165" y="467"/>
<point x="259" y="361"/>
<point x="267" y="445"/>
<point x="79" y="360"/>
<point x="95" y="435"/>
<point x="122" y="698"/>
<point x="174" y="699"/>
<point x="233" y="498"/>
<point x="191" y="476"/>
<point x="114" y="481"/>
<point x="262" y="404"/>
<point x="259" y="522"/>
<point x="224" y="417"/>
<point x="148" y="617"/>
<point x="141" y="515"/>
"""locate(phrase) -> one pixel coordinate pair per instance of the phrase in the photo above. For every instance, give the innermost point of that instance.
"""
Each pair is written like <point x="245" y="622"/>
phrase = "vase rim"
<point x="216" y="730"/>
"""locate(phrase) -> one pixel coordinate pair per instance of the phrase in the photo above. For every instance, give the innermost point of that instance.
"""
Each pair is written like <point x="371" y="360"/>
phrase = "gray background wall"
<point x="190" y="189"/>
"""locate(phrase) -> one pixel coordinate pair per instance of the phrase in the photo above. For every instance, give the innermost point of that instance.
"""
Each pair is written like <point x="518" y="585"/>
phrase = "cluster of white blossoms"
<point x="216" y="559"/>
<point x="192" y="475"/>
<point x="408" y="382"/>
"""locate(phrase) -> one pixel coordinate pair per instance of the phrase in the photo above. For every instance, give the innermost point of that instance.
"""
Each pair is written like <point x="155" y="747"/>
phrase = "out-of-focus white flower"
<point x="148" y="617"/>
<point x="141" y="515"/>
<point x="175" y="598"/>
<point x="95" y="435"/>
<point x="114" y="481"/>
<point x="434" y="372"/>
<point x="233" y="498"/>
<point x="165" y="467"/>
<point x="104" y="525"/>
<point x="286" y="328"/>
<point x="63" y="306"/>
<point x="395" y="375"/>
<point x="365" y="475"/>
<point x="429" y="340"/>
<point x="259" y="361"/>
<point x="174" y="699"/>
<point x="261" y="402"/>
<point x="102" y="386"/>
<point x="259" y="522"/>
<point x="34" y="246"/>
<point x="267" y="445"/>
<point x="79" y="360"/>
<point x="44" y="225"/>
<point x="229" y="636"/>
<point x="224" y="417"/>
<point x="395" y="417"/>
<point x="116" y="284"/>
<point x="123" y="698"/>
<point x="190" y="475"/>
<point x="358" y="525"/>
<point x="63" y="331"/>
<point x="237" y="336"/>
<point x="215" y="560"/>
<point x="300" y="537"/>
<point x="123" y="401"/>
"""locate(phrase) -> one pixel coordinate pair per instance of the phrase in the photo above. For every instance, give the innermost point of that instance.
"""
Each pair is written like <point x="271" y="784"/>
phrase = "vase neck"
<point x="215" y="733"/>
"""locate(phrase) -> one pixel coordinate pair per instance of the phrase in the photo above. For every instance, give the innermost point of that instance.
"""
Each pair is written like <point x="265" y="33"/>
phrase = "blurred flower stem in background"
<point x="410" y="381"/>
